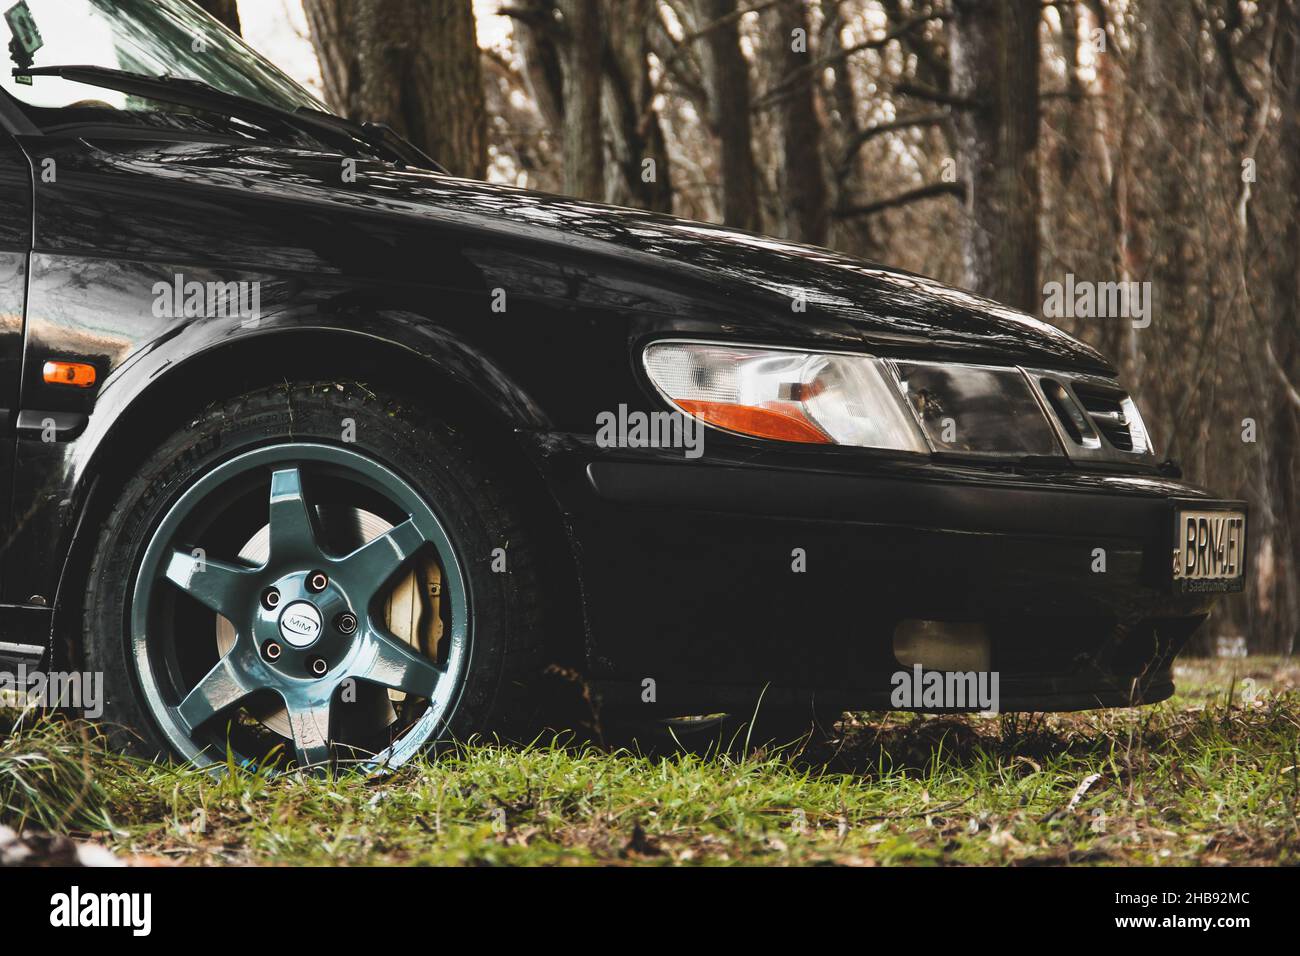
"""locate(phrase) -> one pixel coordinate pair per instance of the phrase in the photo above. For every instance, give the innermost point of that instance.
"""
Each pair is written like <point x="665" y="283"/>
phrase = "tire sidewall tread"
<point x="472" y="500"/>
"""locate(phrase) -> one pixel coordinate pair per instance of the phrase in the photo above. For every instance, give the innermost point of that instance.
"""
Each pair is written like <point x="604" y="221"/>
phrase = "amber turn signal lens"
<point x="757" y="421"/>
<point x="76" y="374"/>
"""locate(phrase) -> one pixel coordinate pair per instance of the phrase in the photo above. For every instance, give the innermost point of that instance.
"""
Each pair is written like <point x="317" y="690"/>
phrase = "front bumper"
<point x="689" y="575"/>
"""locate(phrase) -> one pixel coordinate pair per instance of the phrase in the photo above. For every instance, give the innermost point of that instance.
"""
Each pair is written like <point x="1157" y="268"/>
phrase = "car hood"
<point x="783" y="285"/>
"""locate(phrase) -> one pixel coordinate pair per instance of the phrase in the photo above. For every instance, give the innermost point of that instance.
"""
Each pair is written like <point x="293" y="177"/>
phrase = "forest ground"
<point x="1211" y="776"/>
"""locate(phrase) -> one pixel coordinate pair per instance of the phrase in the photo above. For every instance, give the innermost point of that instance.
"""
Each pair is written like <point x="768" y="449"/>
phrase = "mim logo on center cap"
<point x="300" y="624"/>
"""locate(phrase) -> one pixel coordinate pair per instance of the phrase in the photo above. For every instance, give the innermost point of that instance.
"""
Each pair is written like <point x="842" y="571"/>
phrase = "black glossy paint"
<point x="15" y="241"/>
<point x="413" y="258"/>
<point x="413" y="262"/>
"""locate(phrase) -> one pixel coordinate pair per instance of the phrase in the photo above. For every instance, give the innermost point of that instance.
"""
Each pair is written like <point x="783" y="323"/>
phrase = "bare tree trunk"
<point x="858" y="234"/>
<point x="641" y="175"/>
<point x="413" y="64"/>
<point x="1285" y="346"/>
<point x="584" y="147"/>
<point x="995" y="59"/>
<point x="1169" y="248"/>
<point x="333" y="25"/>
<point x="1071" y="149"/>
<point x="1119" y="342"/>
<point x="457" y="106"/>
<point x="227" y="11"/>
<point x="536" y="38"/>
<point x="802" y="178"/>
<point x="727" y="76"/>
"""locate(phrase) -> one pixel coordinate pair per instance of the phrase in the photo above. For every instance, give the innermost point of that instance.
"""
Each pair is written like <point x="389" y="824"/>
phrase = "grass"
<point x="1210" y="777"/>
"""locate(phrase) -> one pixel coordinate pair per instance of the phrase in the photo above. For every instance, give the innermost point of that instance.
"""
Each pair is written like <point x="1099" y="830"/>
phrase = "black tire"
<point x="473" y="501"/>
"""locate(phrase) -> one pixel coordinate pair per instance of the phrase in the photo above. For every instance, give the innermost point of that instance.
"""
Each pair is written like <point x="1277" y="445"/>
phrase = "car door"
<point x="15" y="246"/>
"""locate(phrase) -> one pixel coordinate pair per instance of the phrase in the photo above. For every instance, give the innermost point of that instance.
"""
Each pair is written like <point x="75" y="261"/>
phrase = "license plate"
<point x="1209" y="549"/>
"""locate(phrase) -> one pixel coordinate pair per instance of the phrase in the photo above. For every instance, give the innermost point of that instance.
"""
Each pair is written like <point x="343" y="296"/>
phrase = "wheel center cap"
<point x="300" y="624"/>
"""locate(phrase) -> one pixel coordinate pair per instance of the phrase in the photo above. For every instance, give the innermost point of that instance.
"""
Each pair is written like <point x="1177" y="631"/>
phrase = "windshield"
<point x="153" y="37"/>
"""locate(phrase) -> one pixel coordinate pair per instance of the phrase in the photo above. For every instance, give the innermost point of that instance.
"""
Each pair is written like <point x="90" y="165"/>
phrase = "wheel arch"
<point x="165" y="396"/>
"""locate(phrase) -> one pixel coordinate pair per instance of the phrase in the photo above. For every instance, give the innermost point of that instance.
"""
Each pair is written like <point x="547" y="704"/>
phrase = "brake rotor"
<point x="412" y="612"/>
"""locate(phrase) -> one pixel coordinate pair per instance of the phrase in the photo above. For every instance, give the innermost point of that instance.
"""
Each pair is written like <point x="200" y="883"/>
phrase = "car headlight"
<point x="829" y="399"/>
<point x="977" y="409"/>
<point x="947" y="408"/>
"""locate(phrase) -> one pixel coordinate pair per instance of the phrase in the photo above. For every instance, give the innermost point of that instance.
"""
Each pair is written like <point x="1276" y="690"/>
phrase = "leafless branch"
<point x="912" y="195"/>
<point x="685" y="42"/>
<point x="892" y="126"/>
<point x="794" y="78"/>
<point x="936" y="96"/>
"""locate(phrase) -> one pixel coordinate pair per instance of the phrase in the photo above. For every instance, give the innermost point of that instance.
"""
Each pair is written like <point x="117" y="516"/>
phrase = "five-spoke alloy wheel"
<point x="285" y="600"/>
<point x="306" y="620"/>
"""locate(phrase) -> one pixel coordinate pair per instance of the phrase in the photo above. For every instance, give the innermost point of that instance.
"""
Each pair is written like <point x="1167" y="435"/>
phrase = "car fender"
<point x="160" y="373"/>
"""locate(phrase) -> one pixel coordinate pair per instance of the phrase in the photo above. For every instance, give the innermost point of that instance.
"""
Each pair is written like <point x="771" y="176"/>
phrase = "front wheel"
<point x="310" y="575"/>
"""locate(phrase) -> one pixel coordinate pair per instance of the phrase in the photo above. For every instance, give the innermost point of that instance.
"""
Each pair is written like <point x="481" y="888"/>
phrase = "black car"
<point x="319" y="451"/>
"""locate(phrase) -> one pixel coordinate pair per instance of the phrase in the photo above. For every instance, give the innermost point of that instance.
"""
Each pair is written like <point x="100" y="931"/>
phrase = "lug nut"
<point x="317" y="581"/>
<point x="271" y="650"/>
<point x="319" y="667"/>
<point x="346" y="622"/>
<point x="271" y="598"/>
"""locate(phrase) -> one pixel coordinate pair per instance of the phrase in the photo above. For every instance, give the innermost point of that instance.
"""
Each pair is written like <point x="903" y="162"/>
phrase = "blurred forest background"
<point x="999" y="145"/>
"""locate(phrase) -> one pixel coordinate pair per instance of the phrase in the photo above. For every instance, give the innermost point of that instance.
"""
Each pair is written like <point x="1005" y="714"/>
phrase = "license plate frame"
<point x="1196" y="509"/>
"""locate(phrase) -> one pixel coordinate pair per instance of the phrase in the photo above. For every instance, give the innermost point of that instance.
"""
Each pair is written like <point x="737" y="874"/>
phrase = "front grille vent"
<point x="1094" y="418"/>
<point x="1106" y="410"/>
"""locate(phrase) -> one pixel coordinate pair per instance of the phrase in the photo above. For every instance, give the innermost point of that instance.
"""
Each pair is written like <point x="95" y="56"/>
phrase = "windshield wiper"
<point x="183" y="91"/>
<point x="379" y="136"/>
<point x="191" y="93"/>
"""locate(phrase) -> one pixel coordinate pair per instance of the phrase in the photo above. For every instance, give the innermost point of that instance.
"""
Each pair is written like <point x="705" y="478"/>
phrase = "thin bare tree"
<point x="584" y="145"/>
<point x="994" y="66"/>
<point x="413" y="64"/>
<point x="801" y="175"/>
<point x="640" y="174"/>
<point x="726" y="73"/>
